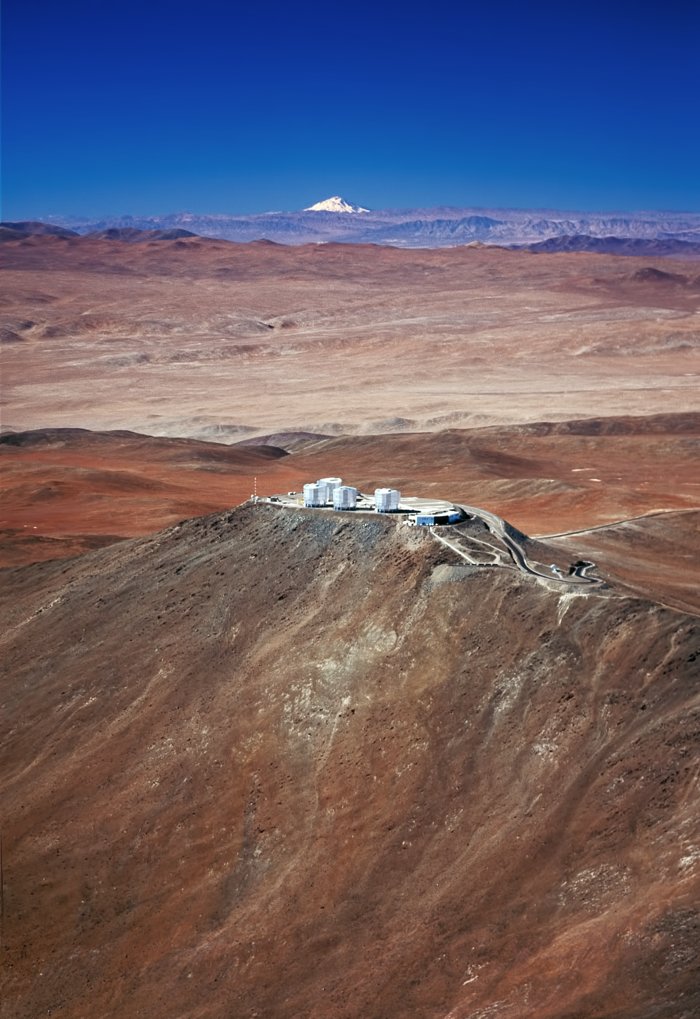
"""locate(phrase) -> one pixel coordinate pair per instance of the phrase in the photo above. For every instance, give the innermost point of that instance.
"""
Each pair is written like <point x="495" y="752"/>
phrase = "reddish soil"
<point x="656" y="556"/>
<point x="68" y="491"/>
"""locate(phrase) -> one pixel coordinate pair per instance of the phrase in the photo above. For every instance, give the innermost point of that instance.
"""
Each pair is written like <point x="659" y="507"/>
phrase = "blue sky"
<point x="153" y="107"/>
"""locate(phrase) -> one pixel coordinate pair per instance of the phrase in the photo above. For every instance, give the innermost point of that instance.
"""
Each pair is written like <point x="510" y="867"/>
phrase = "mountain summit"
<point x="335" y="204"/>
<point x="421" y="768"/>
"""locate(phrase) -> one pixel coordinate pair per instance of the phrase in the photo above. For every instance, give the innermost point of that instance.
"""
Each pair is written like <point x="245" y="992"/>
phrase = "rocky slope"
<point x="281" y="764"/>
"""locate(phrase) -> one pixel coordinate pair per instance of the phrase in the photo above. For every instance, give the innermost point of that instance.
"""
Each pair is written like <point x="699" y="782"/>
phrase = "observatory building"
<point x="314" y="495"/>
<point x="453" y="516"/>
<point x="386" y="500"/>
<point x="329" y="486"/>
<point x="345" y="497"/>
<point x="323" y="492"/>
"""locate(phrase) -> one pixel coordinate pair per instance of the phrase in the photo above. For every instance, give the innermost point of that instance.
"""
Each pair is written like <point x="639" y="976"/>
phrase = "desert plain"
<point x="274" y="763"/>
<point x="207" y="339"/>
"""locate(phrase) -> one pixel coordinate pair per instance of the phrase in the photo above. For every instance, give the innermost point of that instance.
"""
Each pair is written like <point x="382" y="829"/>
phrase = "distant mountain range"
<point x="659" y="247"/>
<point x="26" y="228"/>
<point x="336" y="220"/>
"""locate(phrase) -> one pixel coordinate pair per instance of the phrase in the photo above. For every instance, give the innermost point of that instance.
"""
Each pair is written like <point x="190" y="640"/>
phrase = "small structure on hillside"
<point x="431" y="519"/>
<point x="386" y="500"/>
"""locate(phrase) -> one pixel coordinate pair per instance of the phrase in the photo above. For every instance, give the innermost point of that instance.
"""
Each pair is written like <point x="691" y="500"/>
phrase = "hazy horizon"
<point x="193" y="210"/>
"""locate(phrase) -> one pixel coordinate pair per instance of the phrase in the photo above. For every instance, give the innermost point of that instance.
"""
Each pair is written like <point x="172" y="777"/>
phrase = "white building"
<point x="344" y="497"/>
<point x="329" y="486"/>
<point x="386" y="500"/>
<point x="314" y="495"/>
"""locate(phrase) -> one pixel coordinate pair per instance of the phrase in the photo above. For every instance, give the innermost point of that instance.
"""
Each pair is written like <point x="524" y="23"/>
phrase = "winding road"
<point x="498" y="527"/>
<point x="502" y="532"/>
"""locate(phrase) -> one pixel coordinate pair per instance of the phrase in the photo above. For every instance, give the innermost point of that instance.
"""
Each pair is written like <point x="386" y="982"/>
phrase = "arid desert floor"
<point x="273" y="763"/>
<point x="207" y="339"/>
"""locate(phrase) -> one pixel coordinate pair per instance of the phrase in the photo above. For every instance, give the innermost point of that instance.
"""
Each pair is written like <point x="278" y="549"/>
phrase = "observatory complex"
<point x="331" y="493"/>
<point x="501" y="546"/>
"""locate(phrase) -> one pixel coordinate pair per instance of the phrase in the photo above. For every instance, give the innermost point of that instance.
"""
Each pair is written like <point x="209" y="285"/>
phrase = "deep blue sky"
<point x="114" y="106"/>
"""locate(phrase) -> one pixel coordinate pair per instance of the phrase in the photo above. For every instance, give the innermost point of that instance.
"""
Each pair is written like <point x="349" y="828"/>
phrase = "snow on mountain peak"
<point x="335" y="204"/>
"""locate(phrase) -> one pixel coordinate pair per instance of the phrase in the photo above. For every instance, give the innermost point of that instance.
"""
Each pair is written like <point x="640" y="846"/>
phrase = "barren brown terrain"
<point x="204" y="338"/>
<point x="275" y="763"/>
<point x="278" y="763"/>
<point x="67" y="491"/>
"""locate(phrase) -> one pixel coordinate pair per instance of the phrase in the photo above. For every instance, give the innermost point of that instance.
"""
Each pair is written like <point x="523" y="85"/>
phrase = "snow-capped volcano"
<point x="335" y="204"/>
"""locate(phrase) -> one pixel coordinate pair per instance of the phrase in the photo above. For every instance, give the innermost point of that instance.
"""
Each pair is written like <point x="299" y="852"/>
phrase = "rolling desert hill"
<point x="657" y="247"/>
<point x="70" y="490"/>
<point x="133" y="236"/>
<point x="212" y="340"/>
<point x="25" y="228"/>
<point x="284" y="764"/>
<point x="656" y="554"/>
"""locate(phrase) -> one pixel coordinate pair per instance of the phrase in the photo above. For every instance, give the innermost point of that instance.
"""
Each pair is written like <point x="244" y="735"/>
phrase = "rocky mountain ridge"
<point x="439" y="227"/>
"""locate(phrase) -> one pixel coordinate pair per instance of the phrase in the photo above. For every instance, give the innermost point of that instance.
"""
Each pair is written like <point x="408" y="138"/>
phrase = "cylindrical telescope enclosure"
<point x="329" y="485"/>
<point x="386" y="500"/>
<point x="344" y="497"/>
<point x="314" y="495"/>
